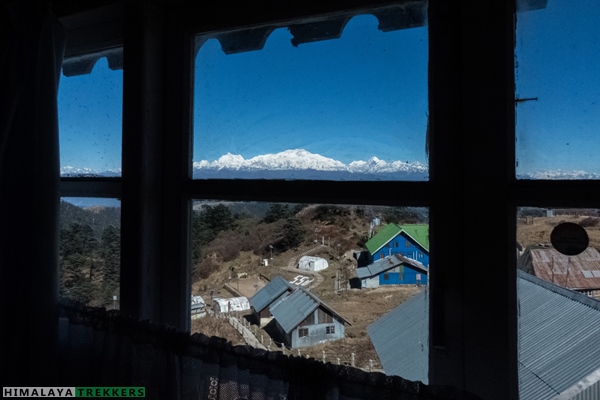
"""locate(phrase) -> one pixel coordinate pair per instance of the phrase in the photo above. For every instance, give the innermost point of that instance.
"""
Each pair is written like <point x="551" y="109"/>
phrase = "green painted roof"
<point x="419" y="232"/>
<point x="382" y="237"/>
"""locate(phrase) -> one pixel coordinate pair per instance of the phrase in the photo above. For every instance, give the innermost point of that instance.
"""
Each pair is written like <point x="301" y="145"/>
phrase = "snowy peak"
<point x="300" y="159"/>
<point x="560" y="174"/>
<point x="302" y="164"/>
<point x="375" y="165"/>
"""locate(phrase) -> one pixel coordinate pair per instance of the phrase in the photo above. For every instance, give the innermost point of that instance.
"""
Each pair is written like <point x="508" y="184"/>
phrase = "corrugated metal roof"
<point x="269" y="293"/>
<point x="580" y="272"/>
<point x="418" y="232"/>
<point x="558" y="342"/>
<point x="401" y="339"/>
<point x="387" y="263"/>
<point x="293" y="309"/>
<point x="559" y="337"/>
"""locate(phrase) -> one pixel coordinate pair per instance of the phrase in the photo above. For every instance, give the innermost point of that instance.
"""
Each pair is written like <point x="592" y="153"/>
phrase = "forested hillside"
<point x="90" y="252"/>
<point x="223" y="236"/>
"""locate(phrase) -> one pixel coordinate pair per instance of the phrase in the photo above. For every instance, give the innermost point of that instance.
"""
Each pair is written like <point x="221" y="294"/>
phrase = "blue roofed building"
<point x="392" y="270"/>
<point x="302" y="319"/>
<point x="265" y="297"/>
<point x="558" y="341"/>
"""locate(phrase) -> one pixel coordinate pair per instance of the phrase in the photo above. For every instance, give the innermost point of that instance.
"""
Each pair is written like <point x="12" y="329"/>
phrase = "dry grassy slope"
<point x="360" y="307"/>
<point x="538" y="230"/>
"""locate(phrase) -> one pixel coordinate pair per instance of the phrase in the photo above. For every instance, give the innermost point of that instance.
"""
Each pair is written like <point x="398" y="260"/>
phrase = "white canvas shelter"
<point x="309" y="263"/>
<point x="198" y="300"/>
<point x="223" y="306"/>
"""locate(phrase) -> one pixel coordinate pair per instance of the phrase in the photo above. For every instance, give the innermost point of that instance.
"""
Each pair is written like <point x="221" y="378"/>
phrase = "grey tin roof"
<point x="293" y="309"/>
<point x="386" y="263"/>
<point x="401" y="339"/>
<point x="559" y="338"/>
<point x="269" y="293"/>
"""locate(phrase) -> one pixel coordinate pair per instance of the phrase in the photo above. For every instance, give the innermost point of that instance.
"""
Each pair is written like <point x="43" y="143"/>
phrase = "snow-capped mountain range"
<point x="289" y="164"/>
<point x="301" y="164"/>
<point x="560" y="174"/>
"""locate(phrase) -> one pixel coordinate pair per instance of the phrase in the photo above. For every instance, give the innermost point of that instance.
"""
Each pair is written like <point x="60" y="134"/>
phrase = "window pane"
<point x="275" y="254"/>
<point x="90" y="121"/>
<point x="558" y="301"/>
<point x="90" y="250"/>
<point x="558" y="91"/>
<point x="353" y="108"/>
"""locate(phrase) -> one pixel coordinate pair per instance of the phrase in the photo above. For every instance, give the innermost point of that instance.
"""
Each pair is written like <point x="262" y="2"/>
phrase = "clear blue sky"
<point x="90" y="119"/>
<point x="352" y="98"/>
<point x="558" y="55"/>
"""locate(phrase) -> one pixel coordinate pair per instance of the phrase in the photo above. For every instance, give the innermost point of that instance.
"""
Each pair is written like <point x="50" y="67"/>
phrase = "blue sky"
<point x="90" y="118"/>
<point x="352" y="98"/>
<point x="558" y="56"/>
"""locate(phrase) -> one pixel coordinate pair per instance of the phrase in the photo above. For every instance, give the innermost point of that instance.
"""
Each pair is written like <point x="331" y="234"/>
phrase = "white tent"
<point x="198" y="307"/>
<point x="222" y="306"/>
<point x="198" y="300"/>
<point x="309" y="263"/>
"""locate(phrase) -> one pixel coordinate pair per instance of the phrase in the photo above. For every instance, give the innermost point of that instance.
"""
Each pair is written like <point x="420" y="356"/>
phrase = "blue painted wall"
<point x="404" y="246"/>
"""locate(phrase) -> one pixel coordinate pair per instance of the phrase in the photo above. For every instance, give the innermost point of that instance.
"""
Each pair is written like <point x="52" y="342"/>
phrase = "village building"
<point x="302" y="319"/>
<point x="559" y="330"/>
<point x="396" y="255"/>
<point x="392" y="270"/>
<point x="580" y="272"/>
<point x="410" y="241"/>
<point x="265" y="297"/>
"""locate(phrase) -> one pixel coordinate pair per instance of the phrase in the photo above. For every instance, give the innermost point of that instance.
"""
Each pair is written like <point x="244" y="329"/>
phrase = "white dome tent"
<point x="223" y="306"/>
<point x="310" y="263"/>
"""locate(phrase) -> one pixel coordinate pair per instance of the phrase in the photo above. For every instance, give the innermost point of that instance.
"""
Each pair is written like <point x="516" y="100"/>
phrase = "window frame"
<point x="471" y="56"/>
<point x="303" y="332"/>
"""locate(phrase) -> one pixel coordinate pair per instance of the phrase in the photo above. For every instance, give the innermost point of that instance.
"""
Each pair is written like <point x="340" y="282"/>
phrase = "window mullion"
<point x="472" y="152"/>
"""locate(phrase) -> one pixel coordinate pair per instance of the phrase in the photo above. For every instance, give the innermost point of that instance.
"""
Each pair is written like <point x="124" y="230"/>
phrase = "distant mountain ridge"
<point x="560" y="174"/>
<point x="302" y="164"/>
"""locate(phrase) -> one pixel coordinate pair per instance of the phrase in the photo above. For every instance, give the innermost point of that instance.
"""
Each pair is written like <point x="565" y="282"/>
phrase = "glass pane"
<point x="558" y="293"/>
<point x="90" y="251"/>
<point x="558" y="91"/>
<point x="353" y="108"/>
<point x="355" y="263"/>
<point x="90" y="122"/>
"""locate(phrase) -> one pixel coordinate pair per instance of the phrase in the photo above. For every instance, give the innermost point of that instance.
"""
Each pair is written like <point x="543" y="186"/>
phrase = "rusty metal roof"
<point x="580" y="272"/>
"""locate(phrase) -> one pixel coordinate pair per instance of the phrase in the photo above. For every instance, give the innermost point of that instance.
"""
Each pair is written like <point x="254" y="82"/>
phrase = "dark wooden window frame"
<point x="471" y="151"/>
